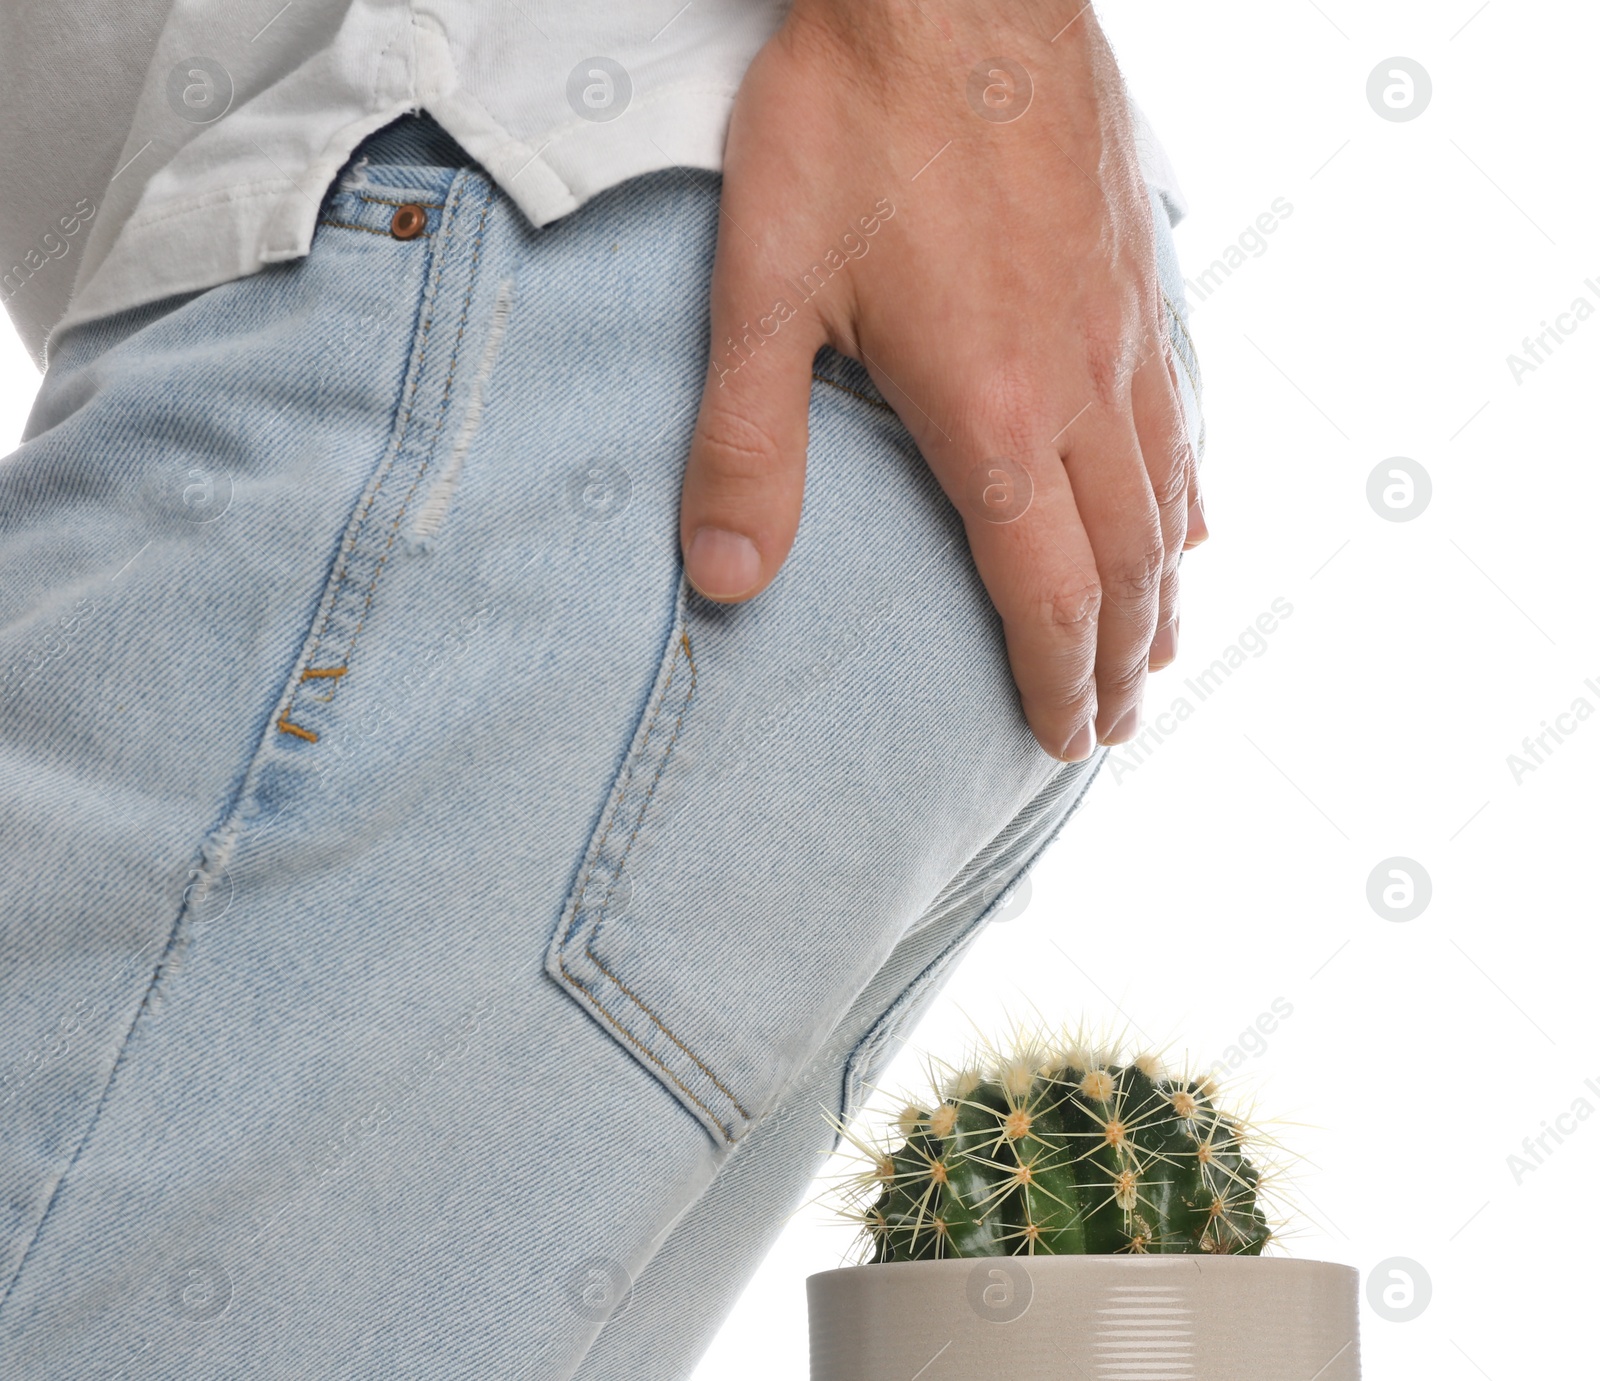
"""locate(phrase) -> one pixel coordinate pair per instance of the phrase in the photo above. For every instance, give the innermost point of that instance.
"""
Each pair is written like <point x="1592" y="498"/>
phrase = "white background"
<point x="1229" y="867"/>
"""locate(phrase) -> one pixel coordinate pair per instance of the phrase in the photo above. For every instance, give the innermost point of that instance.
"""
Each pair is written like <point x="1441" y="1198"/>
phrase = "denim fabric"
<point x="421" y="916"/>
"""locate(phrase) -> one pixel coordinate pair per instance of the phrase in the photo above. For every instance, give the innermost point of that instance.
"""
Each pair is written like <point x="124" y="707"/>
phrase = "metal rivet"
<point x="408" y="221"/>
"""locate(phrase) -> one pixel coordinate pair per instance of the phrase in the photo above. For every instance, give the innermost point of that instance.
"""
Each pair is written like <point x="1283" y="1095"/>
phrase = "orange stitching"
<point x="649" y="729"/>
<point x="372" y="498"/>
<point x="583" y="881"/>
<point x="309" y="672"/>
<point x="444" y="404"/>
<point x="668" y="1034"/>
<point x="854" y="393"/>
<point x="645" y="1051"/>
<point x="445" y="232"/>
<point x="611" y="820"/>
<point x="649" y="733"/>
<point x="288" y="728"/>
<point x="588" y="947"/>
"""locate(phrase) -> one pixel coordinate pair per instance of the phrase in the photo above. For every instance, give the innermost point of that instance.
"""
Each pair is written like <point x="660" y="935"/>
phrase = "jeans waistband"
<point x="416" y="140"/>
<point x="410" y="160"/>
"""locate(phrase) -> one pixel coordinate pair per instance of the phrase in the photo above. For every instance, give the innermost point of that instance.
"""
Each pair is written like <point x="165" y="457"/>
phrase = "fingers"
<point x="1123" y="521"/>
<point x="1197" y="531"/>
<point x="1085" y="576"/>
<point x="1039" y="570"/>
<point x="1158" y="420"/>
<point x="746" y="470"/>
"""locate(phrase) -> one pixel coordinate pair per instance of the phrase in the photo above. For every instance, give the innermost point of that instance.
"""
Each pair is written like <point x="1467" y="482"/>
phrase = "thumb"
<point x="747" y="463"/>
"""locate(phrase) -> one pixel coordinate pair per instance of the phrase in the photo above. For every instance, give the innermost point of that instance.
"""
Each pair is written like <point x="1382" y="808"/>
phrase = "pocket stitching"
<point x="682" y="650"/>
<point x="681" y="645"/>
<point x="635" y="1042"/>
<point x="594" y="934"/>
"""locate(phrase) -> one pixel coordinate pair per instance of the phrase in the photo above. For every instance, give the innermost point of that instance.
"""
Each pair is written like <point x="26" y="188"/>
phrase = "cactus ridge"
<point x="1057" y="1149"/>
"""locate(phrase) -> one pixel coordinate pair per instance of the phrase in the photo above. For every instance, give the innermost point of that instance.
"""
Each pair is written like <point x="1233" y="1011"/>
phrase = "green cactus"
<point x="1060" y="1150"/>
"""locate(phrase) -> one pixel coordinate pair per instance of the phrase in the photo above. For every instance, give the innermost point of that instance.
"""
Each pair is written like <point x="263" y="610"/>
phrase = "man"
<point x="439" y="888"/>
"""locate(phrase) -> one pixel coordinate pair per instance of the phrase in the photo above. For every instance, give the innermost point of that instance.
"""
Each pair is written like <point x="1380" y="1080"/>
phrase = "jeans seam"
<point x="627" y="776"/>
<point x="156" y="974"/>
<point x="394" y="201"/>
<point x="433" y="446"/>
<point x="649" y="732"/>
<point x="683" y="650"/>
<point x="353" y="530"/>
<point x="336" y="672"/>
<point x="637" y="1043"/>
<point x="599" y="924"/>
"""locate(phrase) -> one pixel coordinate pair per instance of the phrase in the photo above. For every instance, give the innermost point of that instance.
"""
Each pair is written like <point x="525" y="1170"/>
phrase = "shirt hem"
<point x="274" y="221"/>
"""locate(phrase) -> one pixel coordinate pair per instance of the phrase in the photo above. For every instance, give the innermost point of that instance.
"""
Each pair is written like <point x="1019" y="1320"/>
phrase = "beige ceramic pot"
<point x="1086" y="1318"/>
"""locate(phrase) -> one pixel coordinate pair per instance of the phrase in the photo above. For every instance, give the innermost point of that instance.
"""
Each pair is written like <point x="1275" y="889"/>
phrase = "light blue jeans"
<point x="427" y="929"/>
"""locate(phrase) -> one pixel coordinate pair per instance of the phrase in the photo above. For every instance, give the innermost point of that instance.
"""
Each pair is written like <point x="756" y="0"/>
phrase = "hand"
<point x="1041" y="351"/>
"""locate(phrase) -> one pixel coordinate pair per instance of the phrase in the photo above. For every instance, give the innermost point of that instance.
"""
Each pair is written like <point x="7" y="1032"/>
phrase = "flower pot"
<point x="1086" y="1318"/>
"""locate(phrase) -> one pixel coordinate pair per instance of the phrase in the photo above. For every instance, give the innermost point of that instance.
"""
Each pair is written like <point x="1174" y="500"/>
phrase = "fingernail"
<point x="1198" y="531"/>
<point x="1165" y="647"/>
<point x="721" y="564"/>
<point x="1124" y="728"/>
<point x="1080" y="745"/>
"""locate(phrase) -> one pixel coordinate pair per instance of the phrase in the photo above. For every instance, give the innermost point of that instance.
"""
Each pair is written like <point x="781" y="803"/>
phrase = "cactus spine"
<point x="1056" y="1151"/>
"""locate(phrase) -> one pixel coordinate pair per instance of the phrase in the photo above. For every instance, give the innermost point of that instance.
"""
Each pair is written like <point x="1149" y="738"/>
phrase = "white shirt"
<point x="151" y="147"/>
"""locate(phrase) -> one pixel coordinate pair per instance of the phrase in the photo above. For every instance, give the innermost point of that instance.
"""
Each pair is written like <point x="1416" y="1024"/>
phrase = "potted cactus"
<point x="1057" y="1211"/>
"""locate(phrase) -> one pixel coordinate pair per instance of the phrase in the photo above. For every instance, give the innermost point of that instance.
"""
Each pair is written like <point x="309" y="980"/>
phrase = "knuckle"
<point x="736" y="449"/>
<point x="1072" y="695"/>
<point x="1170" y="478"/>
<point x="1122" y="682"/>
<point x="1135" y="575"/>
<point x="1112" y="351"/>
<point x="1066" y="696"/>
<point x="1073" y="609"/>
<point x="1059" y="716"/>
<point x="1169" y="588"/>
